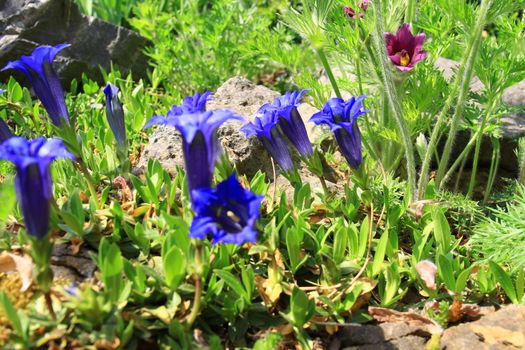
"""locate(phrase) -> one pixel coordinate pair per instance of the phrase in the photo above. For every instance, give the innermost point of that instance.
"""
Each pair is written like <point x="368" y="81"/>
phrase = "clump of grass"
<point x="501" y="237"/>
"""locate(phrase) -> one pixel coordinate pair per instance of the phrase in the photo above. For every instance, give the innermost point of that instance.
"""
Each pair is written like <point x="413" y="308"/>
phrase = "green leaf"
<point x="7" y="198"/>
<point x="379" y="255"/>
<point x="293" y="246"/>
<point x="446" y="272"/>
<point x="12" y="315"/>
<point x="15" y="90"/>
<point x="270" y="342"/>
<point x="340" y="244"/>
<point x="363" y="237"/>
<point x="301" y="308"/>
<point x="233" y="283"/>
<point x="441" y="230"/>
<point x="461" y="281"/>
<point x="505" y="281"/>
<point x="174" y="267"/>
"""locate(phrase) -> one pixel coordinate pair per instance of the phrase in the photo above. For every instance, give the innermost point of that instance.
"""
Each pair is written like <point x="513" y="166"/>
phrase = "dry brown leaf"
<point x="125" y="192"/>
<point x="493" y="335"/>
<point x="427" y="271"/>
<point x="381" y="314"/>
<point x="284" y="329"/>
<point x="455" y="311"/>
<point x="23" y="265"/>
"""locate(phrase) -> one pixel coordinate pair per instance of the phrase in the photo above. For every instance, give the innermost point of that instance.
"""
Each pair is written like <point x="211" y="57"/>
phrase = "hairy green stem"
<point x="410" y="11"/>
<point x="462" y="156"/>
<point x="385" y="75"/>
<point x="465" y="86"/>
<point x="466" y="65"/>
<point x="484" y="120"/>
<point x="521" y="177"/>
<point x="493" y="168"/>
<point x="326" y="65"/>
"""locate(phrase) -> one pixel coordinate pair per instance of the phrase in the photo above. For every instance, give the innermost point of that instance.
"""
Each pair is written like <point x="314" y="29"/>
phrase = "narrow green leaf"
<point x="446" y="272"/>
<point x="233" y="283"/>
<point x="505" y="281"/>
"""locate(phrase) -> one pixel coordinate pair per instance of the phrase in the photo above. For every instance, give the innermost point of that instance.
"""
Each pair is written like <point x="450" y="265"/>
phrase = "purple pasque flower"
<point x="115" y="115"/>
<point x="5" y="131"/>
<point x="33" y="182"/>
<point x="228" y="212"/>
<point x="290" y="120"/>
<point x="405" y="49"/>
<point x="264" y="126"/>
<point x="198" y="127"/>
<point x="351" y="13"/>
<point x="39" y="70"/>
<point x="341" y="116"/>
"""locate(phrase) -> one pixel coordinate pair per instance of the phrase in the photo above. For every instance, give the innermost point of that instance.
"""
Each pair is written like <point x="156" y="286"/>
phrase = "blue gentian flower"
<point x="115" y="115"/>
<point x="44" y="80"/>
<point x="341" y="117"/>
<point x="290" y="120"/>
<point x="33" y="182"/>
<point x="264" y="126"/>
<point x="198" y="127"/>
<point x="196" y="103"/>
<point x="5" y="132"/>
<point x="228" y="213"/>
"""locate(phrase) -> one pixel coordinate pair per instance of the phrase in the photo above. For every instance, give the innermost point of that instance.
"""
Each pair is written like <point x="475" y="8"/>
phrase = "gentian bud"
<point x="265" y="128"/>
<point x="290" y="120"/>
<point x="115" y="116"/>
<point x="33" y="182"/>
<point x="44" y="80"/>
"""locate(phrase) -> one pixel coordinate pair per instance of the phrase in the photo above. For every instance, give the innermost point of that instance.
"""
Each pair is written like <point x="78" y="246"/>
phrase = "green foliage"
<point x="320" y="258"/>
<point x="499" y="237"/>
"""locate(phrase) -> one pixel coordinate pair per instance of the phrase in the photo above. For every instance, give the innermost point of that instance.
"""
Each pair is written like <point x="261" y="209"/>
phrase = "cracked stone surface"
<point x="247" y="154"/>
<point x="26" y="24"/>
<point x="384" y="336"/>
<point x="503" y="329"/>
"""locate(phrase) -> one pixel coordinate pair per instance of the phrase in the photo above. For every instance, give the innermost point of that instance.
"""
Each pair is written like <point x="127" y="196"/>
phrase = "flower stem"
<point x="484" y="120"/>
<point x="49" y="304"/>
<point x="387" y="80"/>
<point x="326" y="65"/>
<point x="465" y="86"/>
<point x="410" y="11"/>
<point x="493" y="168"/>
<point x="89" y="180"/>
<point x="462" y="79"/>
<point x="198" y="287"/>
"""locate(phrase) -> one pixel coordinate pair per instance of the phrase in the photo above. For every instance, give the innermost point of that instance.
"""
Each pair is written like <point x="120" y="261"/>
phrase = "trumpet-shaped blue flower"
<point x="44" y="80"/>
<point x="228" y="212"/>
<point x="290" y="120"/>
<point x="198" y="127"/>
<point x="264" y="126"/>
<point x="341" y="117"/>
<point x="33" y="182"/>
<point x="115" y="115"/>
<point x="5" y="132"/>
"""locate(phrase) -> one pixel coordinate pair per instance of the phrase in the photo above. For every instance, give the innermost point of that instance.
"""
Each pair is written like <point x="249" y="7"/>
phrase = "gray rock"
<point x="513" y="125"/>
<point x="26" y="24"/>
<point x="503" y="329"/>
<point x="384" y="336"/>
<point x="449" y="69"/>
<point x="66" y="263"/>
<point x="246" y="154"/>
